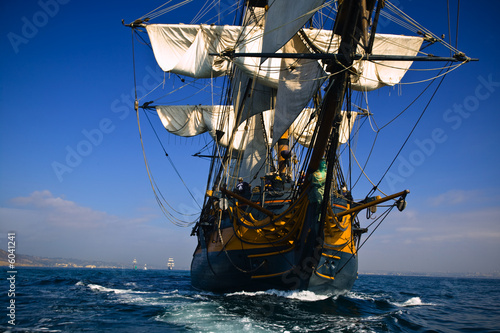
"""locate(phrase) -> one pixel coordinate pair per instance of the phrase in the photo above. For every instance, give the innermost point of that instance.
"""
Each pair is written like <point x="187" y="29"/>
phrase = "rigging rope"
<point x="456" y="32"/>
<point x="157" y="12"/>
<point x="154" y="186"/>
<point x="383" y="216"/>
<point x="418" y="27"/>
<point x="411" y="132"/>
<point x="449" y="24"/>
<point x="171" y="162"/>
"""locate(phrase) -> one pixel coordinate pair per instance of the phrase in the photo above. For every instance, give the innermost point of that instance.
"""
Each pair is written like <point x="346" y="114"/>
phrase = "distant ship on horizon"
<point x="170" y="264"/>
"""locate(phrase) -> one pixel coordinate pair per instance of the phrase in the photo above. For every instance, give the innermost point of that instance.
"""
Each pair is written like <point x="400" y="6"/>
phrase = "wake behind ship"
<point x="279" y="211"/>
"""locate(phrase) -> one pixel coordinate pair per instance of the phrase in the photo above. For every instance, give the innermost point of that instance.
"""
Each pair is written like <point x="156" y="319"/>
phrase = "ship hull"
<point x="243" y="249"/>
<point x="225" y="272"/>
<point x="321" y="260"/>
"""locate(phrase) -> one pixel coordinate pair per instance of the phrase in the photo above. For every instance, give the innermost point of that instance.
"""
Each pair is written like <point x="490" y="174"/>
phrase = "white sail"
<point x="249" y="96"/>
<point x="299" y="81"/>
<point x="265" y="113"/>
<point x="183" y="120"/>
<point x="303" y="127"/>
<point x="371" y="75"/>
<point x="191" y="120"/>
<point x="283" y="19"/>
<point x="256" y="147"/>
<point x="185" y="49"/>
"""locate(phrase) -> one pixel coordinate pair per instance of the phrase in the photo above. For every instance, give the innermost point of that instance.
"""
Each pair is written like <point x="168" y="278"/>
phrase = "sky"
<point x="73" y="182"/>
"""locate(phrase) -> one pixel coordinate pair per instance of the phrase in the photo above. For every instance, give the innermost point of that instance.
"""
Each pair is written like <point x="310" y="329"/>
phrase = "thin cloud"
<point x="56" y="211"/>
<point x="453" y="197"/>
<point x="434" y="241"/>
<point x="456" y="197"/>
<point x="52" y="226"/>
<point x="440" y="226"/>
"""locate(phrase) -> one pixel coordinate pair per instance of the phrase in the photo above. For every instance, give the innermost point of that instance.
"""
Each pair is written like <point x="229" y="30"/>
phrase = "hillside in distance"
<point x="22" y="260"/>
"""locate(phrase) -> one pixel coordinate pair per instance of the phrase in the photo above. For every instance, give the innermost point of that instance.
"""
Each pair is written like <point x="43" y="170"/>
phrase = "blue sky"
<point x="72" y="175"/>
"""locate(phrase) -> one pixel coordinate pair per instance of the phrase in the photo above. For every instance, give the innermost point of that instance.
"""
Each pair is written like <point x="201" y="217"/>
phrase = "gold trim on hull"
<point x="324" y="276"/>
<point x="270" y="275"/>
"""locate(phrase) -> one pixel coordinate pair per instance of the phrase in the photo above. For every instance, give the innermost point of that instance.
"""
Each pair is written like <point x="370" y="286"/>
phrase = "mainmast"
<point x="349" y="25"/>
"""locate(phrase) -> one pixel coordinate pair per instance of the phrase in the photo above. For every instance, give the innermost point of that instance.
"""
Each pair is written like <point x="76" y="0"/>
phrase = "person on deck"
<point x="242" y="187"/>
<point x="346" y="193"/>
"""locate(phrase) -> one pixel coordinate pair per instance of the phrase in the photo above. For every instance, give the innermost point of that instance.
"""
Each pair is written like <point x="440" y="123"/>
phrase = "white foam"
<point x="97" y="287"/>
<point x="364" y="297"/>
<point x="304" y="295"/>
<point x="414" y="301"/>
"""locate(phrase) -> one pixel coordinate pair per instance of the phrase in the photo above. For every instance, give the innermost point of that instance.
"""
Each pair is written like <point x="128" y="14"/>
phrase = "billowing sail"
<point x="371" y="75"/>
<point x="251" y="139"/>
<point x="185" y="49"/>
<point x="191" y="120"/>
<point x="268" y="98"/>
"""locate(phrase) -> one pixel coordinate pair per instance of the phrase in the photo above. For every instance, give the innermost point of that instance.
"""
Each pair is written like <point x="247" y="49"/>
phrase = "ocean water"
<point x="100" y="300"/>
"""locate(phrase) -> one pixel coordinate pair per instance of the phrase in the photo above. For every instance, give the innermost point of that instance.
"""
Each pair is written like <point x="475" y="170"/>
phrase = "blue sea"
<point x="106" y="300"/>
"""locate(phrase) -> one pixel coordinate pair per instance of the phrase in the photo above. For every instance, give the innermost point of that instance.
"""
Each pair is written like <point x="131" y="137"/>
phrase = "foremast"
<point x="351" y="24"/>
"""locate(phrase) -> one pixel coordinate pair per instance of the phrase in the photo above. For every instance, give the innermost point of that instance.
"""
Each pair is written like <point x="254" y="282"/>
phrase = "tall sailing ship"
<point x="170" y="264"/>
<point x="279" y="210"/>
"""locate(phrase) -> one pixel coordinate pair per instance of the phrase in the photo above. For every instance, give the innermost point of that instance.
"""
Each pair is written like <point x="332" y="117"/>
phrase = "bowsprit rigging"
<point x="280" y="208"/>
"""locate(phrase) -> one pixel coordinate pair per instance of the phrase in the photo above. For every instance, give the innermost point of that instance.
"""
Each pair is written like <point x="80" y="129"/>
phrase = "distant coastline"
<point x="23" y="260"/>
<point x="494" y="275"/>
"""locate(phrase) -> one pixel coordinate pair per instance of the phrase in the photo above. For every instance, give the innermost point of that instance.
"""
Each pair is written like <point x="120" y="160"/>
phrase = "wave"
<point x="139" y="297"/>
<point x="414" y="301"/>
<point x="303" y="295"/>
<point x="99" y="288"/>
